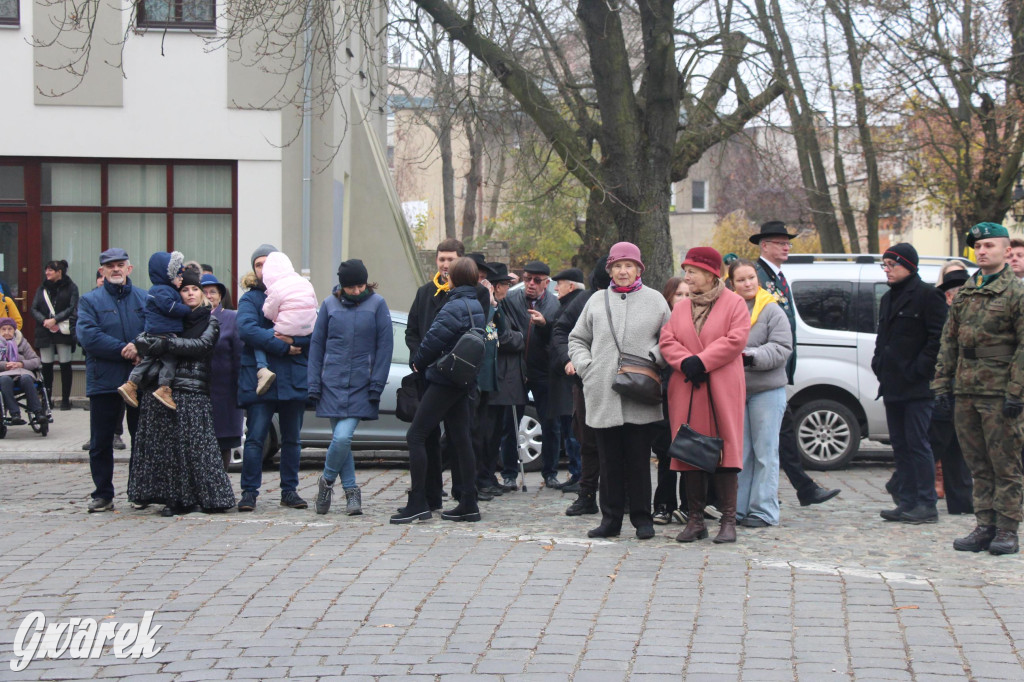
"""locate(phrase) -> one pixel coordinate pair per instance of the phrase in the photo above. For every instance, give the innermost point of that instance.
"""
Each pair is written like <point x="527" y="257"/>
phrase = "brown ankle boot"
<point x="163" y="394"/>
<point x="696" y="494"/>
<point x="129" y="393"/>
<point x="726" y="485"/>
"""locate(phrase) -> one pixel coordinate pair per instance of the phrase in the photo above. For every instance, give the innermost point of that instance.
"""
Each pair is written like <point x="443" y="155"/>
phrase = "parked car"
<point x="834" y="393"/>
<point x="388" y="432"/>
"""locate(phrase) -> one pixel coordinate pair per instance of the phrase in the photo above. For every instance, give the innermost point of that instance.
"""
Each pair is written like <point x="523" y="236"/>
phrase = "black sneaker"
<point x="100" y="504"/>
<point x="552" y="482"/>
<point x="292" y="500"/>
<point x="662" y="517"/>
<point x="585" y="503"/>
<point x="754" y="522"/>
<point x="509" y="485"/>
<point x="572" y="485"/>
<point x="922" y="513"/>
<point x="248" y="501"/>
<point x="892" y="514"/>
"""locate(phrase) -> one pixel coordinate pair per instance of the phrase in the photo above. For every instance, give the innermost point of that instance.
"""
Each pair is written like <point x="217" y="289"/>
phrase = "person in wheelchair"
<point x="18" y="363"/>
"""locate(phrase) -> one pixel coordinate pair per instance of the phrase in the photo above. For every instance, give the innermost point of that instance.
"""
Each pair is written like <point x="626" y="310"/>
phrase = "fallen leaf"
<point x="548" y="547"/>
<point x="912" y="606"/>
<point x="386" y="625"/>
<point x="613" y="576"/>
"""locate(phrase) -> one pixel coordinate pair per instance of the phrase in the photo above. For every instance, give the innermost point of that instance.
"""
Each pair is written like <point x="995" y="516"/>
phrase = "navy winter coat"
<point x="451" y="322"/>
<point x="350" y="357"/>
<point x="165" y="313"/>
<point x="109" y="318"/>
<point x="256" y="331"/>
<point x="224" y="365"/>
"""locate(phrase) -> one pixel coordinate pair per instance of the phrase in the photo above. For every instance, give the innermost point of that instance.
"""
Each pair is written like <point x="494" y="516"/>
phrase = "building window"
<point x="9" y="13"/>
<point x="176" y="13"/>
<point x="698" y="195"/>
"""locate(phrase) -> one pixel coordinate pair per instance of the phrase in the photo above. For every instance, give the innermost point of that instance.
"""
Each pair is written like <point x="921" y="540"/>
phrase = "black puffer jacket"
<point x="194" y="350"/>
<point x="460" y="312"/>
<point x="64" y="296"/>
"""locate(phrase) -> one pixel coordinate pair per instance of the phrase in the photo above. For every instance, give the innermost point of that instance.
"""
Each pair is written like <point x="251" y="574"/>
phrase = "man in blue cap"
<point x="109" y="319"/>
<point x="981" y="363"/>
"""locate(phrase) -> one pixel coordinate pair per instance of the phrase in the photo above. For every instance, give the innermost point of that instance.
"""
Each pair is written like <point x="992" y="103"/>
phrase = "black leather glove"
<point x="374" y="398"/>
<point x="693" y="367"/>
<point x="748" y="360"/>
<point x="943" y="403"/>
<point x="1012" y="408"/>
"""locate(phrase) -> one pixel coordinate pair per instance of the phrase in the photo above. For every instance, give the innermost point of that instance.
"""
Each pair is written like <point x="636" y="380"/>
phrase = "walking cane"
<point x="515" y="430"/>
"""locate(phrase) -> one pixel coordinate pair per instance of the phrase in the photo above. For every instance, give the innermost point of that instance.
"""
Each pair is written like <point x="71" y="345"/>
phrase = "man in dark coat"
<point x="109" y="319"/>
<point x="910" y="319"/>
<point x="511" y="389"/>
<point x="288" y="359"/>
<point x="590" y="469"/>
<point x="569" y="286"/>
<point x="429" y="299"/>
<point x="773" y="241"/>
<point x="531" y="308"/>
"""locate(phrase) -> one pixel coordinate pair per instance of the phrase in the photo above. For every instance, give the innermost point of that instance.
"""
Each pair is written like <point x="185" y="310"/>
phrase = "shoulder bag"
<point x="407" y="399"/>
<point x="637" y="378"/>
<point x="694" y="448"/>
<point x="64" y="325"/>
<point x="462" y="364"/>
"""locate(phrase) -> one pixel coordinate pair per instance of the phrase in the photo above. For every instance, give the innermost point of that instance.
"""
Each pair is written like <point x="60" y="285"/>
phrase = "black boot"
<point x="66" y="378"/>
<point x="585" y="503"/>
<point x="47" y="368"/>
<point x="466" y="510"/>
<point x="978" y="541"/>
<point x="607" y="529"/>
<point x="416" y="509"/>
<point x="1005" y="542"/>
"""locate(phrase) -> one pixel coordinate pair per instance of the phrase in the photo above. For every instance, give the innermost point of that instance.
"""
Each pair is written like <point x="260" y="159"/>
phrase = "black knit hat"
<point x="599" y="278"/>
<point x="352" y="273"/>
<point x="190" y="276"/>
<point x="904" y="254"/>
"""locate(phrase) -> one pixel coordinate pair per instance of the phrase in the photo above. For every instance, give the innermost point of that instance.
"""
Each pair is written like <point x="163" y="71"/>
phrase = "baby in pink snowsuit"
<point x="291" y="305"/>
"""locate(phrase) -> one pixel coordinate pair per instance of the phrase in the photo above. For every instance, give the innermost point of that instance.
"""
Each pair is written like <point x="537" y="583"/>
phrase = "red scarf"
<point x="635" y="286"/>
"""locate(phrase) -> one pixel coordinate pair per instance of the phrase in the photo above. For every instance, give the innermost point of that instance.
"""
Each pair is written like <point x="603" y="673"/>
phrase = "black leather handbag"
<point x="694" y="448"/>
<point x="637" y="378"/>
<point x="407" y="399"/>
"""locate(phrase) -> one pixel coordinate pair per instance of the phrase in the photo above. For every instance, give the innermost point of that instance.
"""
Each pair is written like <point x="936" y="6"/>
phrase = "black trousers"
<point x="452" y="406"/>
<point x="435" y="464"/>
<point x="668" y="481"/>
<point x="493" y="427"/>
<point x="956" y="475"/>
<point x="590" y="477"/>
<point x="625" y="453"/>
<point x="789" y="458"/>
<point x="105" y="414"/>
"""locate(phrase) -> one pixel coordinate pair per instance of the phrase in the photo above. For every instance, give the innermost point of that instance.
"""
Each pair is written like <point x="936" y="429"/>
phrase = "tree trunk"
<point x="444" y="142"/>
<point x="842" y="190"/>
<point x="474" y="178"/>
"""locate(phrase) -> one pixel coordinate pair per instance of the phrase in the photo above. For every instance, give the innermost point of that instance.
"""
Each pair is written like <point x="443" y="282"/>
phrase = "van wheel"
<point x="827" y="434"/>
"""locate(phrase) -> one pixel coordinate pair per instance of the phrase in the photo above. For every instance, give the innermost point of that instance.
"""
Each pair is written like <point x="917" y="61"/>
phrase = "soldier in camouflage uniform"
<point x="981" y="360"/>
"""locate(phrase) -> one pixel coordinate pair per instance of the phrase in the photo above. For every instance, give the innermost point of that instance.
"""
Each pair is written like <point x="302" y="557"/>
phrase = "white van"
<point x="834" y="393"/>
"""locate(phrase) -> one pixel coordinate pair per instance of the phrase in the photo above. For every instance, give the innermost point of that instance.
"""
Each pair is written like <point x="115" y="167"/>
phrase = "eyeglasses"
<point x="777" y="242"/>
<point x="888" y="265"/>
<point x="539" y="279"/>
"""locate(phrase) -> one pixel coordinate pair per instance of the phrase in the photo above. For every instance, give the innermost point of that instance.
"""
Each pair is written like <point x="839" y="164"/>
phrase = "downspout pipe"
<point x="307" y="142"/>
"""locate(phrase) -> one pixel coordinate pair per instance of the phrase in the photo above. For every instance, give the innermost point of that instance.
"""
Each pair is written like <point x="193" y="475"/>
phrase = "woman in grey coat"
<point x="764" y="366"/>
<point x="624" y="427"/>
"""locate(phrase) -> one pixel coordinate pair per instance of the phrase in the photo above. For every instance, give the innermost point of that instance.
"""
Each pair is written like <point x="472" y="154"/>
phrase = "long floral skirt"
<point x="175" y="457"/>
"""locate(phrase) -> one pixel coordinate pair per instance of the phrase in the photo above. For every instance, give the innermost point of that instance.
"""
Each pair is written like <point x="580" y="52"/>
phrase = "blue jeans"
<point x="339" y="453"/>
<point x="257" y="420"/>
<point x="758" y="491"/>
<point x="572" y="446"/>
<point x="915" y="464"/>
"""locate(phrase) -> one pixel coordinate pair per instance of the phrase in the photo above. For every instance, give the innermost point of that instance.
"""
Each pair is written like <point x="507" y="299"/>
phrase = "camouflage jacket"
<point x="984" y="317"/>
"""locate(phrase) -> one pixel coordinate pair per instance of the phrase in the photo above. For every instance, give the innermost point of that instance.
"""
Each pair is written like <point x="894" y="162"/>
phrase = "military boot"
<point x="978" y="541"/>
<point x="1005" y="542"/>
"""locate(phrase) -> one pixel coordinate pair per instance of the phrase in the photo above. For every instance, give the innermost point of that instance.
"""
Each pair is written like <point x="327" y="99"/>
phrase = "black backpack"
<point x="462" y="364"/>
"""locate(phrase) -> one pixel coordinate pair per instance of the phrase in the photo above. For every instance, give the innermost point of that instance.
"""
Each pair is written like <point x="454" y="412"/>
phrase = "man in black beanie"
<point x="910" y="320"/>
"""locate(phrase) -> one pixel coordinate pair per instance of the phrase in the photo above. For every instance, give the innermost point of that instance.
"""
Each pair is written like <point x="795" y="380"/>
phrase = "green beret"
<point x="729" y="258"/>
<point x="986" y="231"/>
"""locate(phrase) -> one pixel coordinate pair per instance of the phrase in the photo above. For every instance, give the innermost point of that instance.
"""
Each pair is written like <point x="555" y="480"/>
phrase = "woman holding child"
<point x="176" y="459"/>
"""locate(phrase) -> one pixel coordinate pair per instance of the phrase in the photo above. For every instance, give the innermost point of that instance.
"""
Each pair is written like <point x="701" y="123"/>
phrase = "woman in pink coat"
<point x="704" y="339"/>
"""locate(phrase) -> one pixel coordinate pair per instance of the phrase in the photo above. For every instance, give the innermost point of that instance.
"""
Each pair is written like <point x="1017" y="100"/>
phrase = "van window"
<point x="825" y="305"/>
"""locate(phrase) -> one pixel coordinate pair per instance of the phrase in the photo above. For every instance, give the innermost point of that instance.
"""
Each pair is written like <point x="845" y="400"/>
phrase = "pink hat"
<point x="705" y="258"/>
<point x="624" y="251"/>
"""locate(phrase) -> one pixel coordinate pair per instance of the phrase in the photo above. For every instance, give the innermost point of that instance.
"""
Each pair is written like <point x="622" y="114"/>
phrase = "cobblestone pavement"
<point x="835" y="593"/>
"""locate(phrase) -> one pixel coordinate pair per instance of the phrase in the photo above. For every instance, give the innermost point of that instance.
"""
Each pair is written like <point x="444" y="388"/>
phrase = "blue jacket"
<point x="350" y="357"/>
<point x="164" y="310"/>
<point x="109" y="318"/>
<point x="451" y="323"/>
<point x="256" y="331"/>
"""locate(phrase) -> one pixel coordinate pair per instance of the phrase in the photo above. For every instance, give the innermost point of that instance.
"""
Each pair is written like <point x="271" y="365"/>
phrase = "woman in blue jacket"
<point x="349" y="360"/>
<point x="444" y="401"/>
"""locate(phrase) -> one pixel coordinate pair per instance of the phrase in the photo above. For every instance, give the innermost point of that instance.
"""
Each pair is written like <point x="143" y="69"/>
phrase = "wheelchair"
<point x="40" y="425"/>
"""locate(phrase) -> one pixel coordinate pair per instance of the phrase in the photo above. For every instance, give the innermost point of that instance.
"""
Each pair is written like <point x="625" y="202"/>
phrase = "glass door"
<point x="14" y="266"/>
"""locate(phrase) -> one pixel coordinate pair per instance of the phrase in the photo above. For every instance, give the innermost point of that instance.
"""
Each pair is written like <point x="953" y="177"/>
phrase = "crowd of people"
<point x="695" y="374"/>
